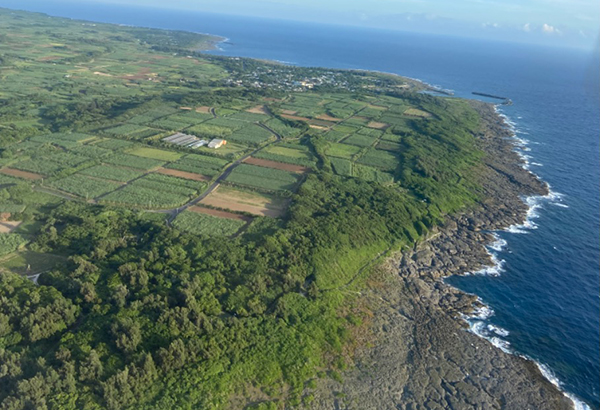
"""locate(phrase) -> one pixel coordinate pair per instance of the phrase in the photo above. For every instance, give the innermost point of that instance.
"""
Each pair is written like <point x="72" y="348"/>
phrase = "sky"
<point x="560" y="22"/>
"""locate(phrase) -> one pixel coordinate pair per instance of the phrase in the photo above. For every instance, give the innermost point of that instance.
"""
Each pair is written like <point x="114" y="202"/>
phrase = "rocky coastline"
<point x="420" y="355"/>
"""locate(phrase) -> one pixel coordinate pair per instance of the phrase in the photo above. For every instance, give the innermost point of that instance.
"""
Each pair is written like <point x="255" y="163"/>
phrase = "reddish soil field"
<point x="219" y="214"/>
<point x="21" y="174"/>
<point x="182" y="174"/>
<point x="277" y="165"/>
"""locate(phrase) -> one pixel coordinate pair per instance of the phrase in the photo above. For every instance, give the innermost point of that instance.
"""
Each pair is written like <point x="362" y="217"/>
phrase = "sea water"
<point x="542" y="294"/>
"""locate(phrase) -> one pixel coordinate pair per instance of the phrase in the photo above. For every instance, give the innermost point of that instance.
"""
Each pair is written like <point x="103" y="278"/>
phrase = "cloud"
<point x="548" y="29"/>
<point x="527" y="27"/>
<point x="490" y="25"/>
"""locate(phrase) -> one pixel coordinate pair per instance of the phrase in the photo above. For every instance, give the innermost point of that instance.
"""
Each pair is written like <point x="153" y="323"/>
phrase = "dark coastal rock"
<point x="422" y="356"/>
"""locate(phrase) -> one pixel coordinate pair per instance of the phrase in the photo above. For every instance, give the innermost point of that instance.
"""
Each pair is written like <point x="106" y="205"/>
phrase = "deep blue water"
<point x="547" y="293"/>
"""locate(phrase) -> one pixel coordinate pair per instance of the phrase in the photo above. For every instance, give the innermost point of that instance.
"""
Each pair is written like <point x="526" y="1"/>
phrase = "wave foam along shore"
<point x="477" y="320"/>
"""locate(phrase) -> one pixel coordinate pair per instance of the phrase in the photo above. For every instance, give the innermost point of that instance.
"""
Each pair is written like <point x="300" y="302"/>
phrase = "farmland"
<point x="203" y="224"/>
<point x="159" y="290"/>
<point x="269" y="179"/>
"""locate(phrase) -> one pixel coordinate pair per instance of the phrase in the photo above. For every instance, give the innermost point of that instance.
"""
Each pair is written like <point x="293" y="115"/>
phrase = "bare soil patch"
<point x="9" y="226"/>
<point x="259" y="109"/>
<point x="219" y="214"/>
<point x="242" y="201"/>
<point x="182" y="174"/>
<point x="102" y="74"/>
<point x="21" y="174"/>
<point x="203" y="109"/>
<point x="185" y="108"/>
<point x="277" y="165"/>
<point x="378" y="125"/>
<point x="289" y="112"/>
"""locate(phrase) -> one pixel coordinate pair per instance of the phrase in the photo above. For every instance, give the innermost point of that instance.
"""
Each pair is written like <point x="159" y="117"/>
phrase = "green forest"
<point x="110" y="298"/>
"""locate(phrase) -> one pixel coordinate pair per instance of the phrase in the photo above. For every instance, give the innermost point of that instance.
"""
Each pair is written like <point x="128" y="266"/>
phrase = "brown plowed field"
<point x="326" y="117"/>
<point x="21" y="174"/>
<point x="182" y="174"/>
<point x="378" y="125"/>
<point x="205" y="110"/>
<point x="243" y="201"/>
<point x="219" y="214"/>
<point x="277" y="165"/>
<point x="259" y="109"/>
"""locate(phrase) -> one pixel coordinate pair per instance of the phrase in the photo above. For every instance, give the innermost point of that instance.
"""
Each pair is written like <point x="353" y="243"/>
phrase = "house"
<point x="217" y="143"/>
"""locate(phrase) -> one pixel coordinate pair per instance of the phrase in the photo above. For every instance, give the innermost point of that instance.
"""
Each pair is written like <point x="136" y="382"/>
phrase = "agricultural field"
<point x="268" y="179"/>
<point x="134" y="161"/>
<point x="380" y="159"/>
<point x="202" y="224"/>
<point x="83" y="186"/>
<point x="252" y="135"/>
<point x="157" y="154"/>
<point x="112" y="173"/>
<point x="155" y="191"/>
<point x="199" y="164"/>
<point x="237" y="200"/>
<point x="342" y="150"/>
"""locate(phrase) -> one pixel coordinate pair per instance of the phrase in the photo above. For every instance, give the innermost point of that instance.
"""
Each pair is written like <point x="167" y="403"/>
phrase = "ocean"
<point x="543" y="292"/>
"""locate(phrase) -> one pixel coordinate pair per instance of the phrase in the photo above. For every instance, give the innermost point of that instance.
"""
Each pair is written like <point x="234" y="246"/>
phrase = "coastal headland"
<point x="422" y="356"/>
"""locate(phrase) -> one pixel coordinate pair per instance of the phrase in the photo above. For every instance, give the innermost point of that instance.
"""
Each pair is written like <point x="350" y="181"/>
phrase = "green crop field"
<point x="114" y="144"/>
<point x="342" y="150"/>
<point x="84" y="186"/>
<point x="113" y="173"/>
<point x="153" y="153"/>
<point x="252" y="135"/>
<point x="263" y="178"/>
<point x="342" y="166"/>
<point x="372" y="174"/>
<point x="201" y="224"/>
<point x="380" y="159"/>
<point x="199" y="164"/>
<point x="360" y="140"/>
<point x="133" y="161"/>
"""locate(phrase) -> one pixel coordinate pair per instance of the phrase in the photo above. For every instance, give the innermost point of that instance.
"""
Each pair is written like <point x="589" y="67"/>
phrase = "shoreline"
<point x="492" y="376"/>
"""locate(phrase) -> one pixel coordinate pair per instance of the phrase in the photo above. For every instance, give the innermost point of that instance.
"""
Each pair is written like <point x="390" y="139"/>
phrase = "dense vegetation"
<point x="199" y="312"/>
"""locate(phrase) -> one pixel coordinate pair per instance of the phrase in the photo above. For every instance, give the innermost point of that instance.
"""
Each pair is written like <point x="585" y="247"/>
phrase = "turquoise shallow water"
<point x="543" y="294"/>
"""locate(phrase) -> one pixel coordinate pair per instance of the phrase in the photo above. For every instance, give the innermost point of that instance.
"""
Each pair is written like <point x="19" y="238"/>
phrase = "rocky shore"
<point x="421" y="356"/>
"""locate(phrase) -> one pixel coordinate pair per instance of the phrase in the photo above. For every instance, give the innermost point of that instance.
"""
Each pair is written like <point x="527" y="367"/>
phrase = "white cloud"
<point x="527" y="27"/>
<point x="548" y="29"/>
<point x="490" y="25"/>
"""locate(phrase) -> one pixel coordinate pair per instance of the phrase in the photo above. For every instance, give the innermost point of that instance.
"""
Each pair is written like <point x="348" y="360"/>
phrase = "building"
<point x="216" y="143"/>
